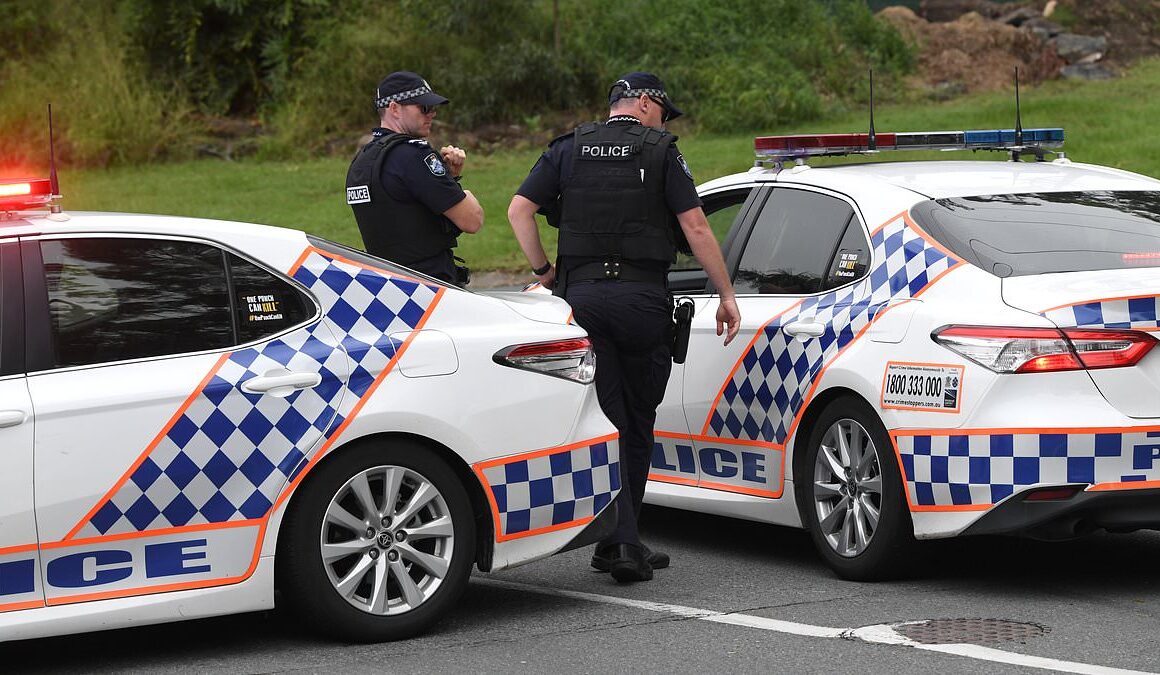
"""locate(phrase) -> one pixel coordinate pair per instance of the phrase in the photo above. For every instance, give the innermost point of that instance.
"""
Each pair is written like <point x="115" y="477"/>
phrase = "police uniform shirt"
<point x="415" y="172"/>
<point x="547" y="177"/>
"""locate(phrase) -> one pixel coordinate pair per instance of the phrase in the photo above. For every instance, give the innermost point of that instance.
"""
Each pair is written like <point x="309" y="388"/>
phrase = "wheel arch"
<point x="484" y="527"/>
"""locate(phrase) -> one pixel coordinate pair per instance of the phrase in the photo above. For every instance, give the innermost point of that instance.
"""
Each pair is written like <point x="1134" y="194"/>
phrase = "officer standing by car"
<point x="622" y="197"/>
<point x="406" y="196"/>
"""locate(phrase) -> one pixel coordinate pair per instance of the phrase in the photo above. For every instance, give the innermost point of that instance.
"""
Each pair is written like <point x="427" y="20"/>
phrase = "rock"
<point x="945" y="91"/>
<point x="1049" y="8"/>
<point x="1019" y="16"/>
<point x="942" y="11"/>
<point x="1041" y="27"/>
<point x="1079" y="48"/>
<point x="1086" y="71"/>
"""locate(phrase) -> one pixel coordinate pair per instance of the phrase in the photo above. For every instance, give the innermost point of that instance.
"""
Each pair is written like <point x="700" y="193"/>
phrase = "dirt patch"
<point x="1132" y="27"/>
<point x="972" y="53"/>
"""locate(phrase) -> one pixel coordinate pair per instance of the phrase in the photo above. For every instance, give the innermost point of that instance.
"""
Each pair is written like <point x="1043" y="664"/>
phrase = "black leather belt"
<point x="615" y="270"/>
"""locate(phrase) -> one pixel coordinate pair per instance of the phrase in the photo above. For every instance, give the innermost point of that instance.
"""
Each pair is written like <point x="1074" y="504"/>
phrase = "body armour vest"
<point x="613" y="204"/>
<point x="402" y="232"/>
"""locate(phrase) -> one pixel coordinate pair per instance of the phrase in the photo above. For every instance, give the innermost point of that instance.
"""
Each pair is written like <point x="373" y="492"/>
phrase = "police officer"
<point x="622" y="197"/>
<point x="406" y="195"/>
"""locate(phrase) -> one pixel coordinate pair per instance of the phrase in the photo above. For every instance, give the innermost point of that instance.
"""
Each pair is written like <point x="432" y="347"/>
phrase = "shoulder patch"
<point x="435" y="165"/>
<point x="421" y="142"/>
<point x="685" y="166"/>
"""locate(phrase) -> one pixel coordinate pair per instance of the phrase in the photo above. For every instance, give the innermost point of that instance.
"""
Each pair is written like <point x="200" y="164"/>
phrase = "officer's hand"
<point x="728" y="315"/>
<point x="454" y="157"/>
<point x="548" y="279"/>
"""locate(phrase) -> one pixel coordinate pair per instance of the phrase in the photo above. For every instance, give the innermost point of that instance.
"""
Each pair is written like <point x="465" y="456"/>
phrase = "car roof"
<point x="939" y="179"/>
<point x="42" y="222"/>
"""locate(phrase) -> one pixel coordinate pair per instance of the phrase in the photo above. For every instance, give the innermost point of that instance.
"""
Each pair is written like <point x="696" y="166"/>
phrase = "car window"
<point x="721" y="210"/>
<point x="792" y="244"/>
<point x="115" y="299"/>
<point x="265" y="304"/>
<point x="1018" y="234"/>
<point x="851" y="260"/>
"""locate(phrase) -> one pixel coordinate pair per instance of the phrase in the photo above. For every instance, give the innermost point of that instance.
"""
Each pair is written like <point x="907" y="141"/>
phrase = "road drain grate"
<point x="970" y="631"/>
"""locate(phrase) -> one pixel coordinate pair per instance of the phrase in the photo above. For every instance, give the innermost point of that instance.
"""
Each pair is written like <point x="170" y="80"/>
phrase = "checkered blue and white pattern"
<point x="984" y="469"/>
<point x="230" y="453"/>
<point x="769" y="386"/>
<point x="1138" y="313"/>
<point x="555" y="489"/>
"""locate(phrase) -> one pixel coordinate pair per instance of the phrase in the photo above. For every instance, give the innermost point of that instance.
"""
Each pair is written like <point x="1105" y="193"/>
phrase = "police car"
<point x="194" y="413"/>
<point x="929" y="349"/>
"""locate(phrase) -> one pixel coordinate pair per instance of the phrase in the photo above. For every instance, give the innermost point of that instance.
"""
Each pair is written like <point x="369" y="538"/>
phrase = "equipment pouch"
<point x="682" y="324"/>
<point x="462" y="273"/>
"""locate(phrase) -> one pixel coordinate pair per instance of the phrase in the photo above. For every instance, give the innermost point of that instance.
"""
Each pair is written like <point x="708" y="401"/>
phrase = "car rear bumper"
<point x="1083" y="513"/>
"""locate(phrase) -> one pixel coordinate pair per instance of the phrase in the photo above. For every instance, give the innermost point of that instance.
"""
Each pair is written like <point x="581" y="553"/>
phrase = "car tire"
<point x="353" y="586"/>
<point x="840" y="512"/>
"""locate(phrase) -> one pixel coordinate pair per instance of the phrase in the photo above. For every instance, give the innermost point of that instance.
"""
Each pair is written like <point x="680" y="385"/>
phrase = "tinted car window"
<point x="792" y="243"/>
<point x="265" y="304"/>
<point x="720" y="210"/>
<point x="850" y="260"/>
<point x="116" y="299"/>
<point x="1019" y="234"/>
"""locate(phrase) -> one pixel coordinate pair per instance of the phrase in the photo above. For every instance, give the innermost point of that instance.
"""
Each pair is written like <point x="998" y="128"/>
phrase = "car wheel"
<point x="378" y="544"/>
<point x="852" y="499"/>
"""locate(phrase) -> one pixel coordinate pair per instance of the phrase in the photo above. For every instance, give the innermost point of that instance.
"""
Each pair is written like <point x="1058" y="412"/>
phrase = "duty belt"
<point x="615" y="270"/>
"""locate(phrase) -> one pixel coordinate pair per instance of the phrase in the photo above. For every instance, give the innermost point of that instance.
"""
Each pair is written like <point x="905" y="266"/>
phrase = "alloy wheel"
<point x="386" y="540"/>
<point x="847" y="487"/>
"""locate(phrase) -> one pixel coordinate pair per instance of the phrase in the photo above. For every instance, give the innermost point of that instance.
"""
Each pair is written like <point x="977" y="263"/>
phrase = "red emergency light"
<point x="24" y="193"/>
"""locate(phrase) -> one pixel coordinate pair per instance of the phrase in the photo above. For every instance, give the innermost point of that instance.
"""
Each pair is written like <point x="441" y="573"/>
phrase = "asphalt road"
<point x="1096" y="598"/>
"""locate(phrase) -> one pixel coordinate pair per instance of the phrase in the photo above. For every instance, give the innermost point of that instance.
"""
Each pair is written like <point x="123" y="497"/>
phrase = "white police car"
<point x="195" y="412"/>
<point x="929" y="349"/>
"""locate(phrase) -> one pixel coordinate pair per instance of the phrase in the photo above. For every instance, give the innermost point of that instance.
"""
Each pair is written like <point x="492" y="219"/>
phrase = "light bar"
<point x="813" y="145"/>
<point x="23" y="193"/>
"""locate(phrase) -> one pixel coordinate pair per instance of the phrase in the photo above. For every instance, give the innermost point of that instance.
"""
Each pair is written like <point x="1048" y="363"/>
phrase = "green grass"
<point x="1110" y="123"/>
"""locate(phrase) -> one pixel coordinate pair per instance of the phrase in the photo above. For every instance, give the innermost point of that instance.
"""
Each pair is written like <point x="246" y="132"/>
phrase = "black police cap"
<point x="635" y="85"/>
<point x="407" y="88"/>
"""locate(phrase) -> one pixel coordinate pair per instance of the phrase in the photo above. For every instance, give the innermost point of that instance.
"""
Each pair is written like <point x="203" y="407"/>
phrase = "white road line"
<point x="882" y="634"/>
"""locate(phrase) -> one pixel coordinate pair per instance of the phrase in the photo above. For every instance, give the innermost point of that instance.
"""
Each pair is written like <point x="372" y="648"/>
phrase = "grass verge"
<point x="1107" y="123"/>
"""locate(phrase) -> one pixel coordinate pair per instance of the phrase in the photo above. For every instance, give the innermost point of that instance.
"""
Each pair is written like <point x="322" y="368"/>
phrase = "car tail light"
<point x="571" y="359"/>
<point x="1043" y="350"/>
<point x="1110" y="348"/>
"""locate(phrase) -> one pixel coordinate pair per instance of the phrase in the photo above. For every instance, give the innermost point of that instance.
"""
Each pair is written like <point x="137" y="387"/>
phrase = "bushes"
<point x="106" y="109"/>
<point x="133" y="77"/>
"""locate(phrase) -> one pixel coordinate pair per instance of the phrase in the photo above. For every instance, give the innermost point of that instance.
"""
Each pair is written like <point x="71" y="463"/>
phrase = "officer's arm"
<point x="708" y="253"/>
<point x="467" y="214"/>
<point x="522" y="216"/>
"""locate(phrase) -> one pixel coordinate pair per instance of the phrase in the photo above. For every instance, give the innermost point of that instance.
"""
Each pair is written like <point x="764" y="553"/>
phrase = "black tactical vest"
<point x="613" y="204"/>
<point x="402" y="232"/>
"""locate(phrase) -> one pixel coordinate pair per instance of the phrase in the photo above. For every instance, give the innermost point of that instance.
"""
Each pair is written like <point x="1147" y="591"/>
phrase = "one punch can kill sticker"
<point x="261" y="307"/>
<point x="934" y="387"/>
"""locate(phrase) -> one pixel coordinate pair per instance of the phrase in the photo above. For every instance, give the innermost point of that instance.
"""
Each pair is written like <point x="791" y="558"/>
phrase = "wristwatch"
<point x="540" y="271"/>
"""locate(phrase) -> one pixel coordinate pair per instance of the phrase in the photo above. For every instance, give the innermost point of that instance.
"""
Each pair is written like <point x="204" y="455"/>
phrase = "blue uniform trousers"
<point x="629" y="324"/>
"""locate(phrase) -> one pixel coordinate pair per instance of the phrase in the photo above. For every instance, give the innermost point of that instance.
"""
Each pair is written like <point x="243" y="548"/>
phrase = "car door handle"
<point x="804" y="330"/>
<point x="281" y="382"/>
<point x="11" y="418"/>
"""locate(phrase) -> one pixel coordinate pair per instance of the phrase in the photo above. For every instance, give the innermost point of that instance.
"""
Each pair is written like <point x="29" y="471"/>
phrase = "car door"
<point x="177" y="387"/>
<point x="674" y="455"/>
<point x="741" y="400"/>
<point x="20" y="586"/>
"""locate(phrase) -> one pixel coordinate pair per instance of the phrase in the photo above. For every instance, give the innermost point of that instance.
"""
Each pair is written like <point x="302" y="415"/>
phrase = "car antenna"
<point x="54" y="183"/>
<point x="1018" y="121"/>
<point x="872" y="140"/>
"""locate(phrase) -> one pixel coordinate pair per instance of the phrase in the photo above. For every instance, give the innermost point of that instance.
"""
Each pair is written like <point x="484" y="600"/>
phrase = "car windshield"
<point x="1021" y="234"/>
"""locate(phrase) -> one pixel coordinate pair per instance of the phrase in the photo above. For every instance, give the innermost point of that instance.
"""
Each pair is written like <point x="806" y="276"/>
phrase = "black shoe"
<point x="601" y="560"/>
<point x="627" y="563"/>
